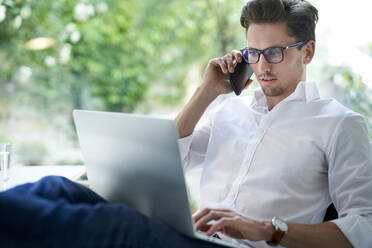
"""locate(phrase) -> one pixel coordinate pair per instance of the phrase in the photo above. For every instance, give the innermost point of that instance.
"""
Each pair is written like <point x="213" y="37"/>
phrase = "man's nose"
<point x="263" y="65"/>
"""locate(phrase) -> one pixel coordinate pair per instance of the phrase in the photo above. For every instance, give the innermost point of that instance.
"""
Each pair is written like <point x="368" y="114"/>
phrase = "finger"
<point x="212" y="215"/>
<point x="219" y="64"/>
<point x="200" y="214"/>
<point x="205" y="211"/>
<point x="229" y="62"/>
<point x="206" y="216"/>
<point x="205" y="228"/>
<point x="225" y="222"/>
<point x="222" y="64"/>
<point x="205" y="221"/>
<point x="237" y="55"/>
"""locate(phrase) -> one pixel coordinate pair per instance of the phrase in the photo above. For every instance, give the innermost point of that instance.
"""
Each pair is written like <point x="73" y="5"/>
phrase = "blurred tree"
<point x="106" y="55"/>
<point x="32" y="153"/>
<point x="356" y="94"/>
<point x="3" y="139"/>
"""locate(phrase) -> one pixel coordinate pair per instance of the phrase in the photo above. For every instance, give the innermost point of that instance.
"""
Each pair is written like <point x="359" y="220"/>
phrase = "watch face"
<point x="280" y="224"/>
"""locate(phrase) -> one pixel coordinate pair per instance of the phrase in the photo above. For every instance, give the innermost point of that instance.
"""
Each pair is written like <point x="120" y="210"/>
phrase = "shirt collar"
<point x="305" y="91"/>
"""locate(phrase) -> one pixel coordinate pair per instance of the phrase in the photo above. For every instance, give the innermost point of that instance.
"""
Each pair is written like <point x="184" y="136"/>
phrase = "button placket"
<point x="246" y="164"/>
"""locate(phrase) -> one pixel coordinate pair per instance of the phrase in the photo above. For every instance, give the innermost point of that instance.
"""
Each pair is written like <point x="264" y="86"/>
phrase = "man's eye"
<point x="273" y="51"/>
<point x="253" y="53"/>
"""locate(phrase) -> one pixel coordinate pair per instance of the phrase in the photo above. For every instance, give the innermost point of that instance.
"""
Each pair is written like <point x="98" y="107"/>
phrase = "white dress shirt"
<point x="290" y="162"/>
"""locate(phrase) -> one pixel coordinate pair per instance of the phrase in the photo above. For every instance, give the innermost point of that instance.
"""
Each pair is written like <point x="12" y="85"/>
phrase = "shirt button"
<point x="260" y="130"/>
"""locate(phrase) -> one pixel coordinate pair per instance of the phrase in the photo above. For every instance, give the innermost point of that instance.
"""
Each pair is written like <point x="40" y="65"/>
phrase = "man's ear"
<point x="308" y="51"/>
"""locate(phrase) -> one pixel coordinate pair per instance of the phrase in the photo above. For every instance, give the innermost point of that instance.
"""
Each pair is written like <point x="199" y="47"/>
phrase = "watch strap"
<point x="280" y="229"/>
<point x="277" y="237"/>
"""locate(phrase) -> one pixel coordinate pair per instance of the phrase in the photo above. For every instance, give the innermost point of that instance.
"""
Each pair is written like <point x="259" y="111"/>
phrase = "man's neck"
<point x="273" y="101"/>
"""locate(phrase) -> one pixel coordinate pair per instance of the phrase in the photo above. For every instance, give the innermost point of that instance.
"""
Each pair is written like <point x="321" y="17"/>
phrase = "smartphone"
<point x="238" y="79"/>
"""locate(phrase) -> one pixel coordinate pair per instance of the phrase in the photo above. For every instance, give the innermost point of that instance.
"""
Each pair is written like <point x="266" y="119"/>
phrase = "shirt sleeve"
<point x="350" y="179"/>
<point x="194" y="147"/>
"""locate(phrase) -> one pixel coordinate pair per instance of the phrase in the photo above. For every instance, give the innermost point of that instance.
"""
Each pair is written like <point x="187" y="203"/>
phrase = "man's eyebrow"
<point x="278" y="45"/>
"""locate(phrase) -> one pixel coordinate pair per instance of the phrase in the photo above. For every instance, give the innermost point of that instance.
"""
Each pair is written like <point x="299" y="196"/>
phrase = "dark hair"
<point x="299" y="15"/>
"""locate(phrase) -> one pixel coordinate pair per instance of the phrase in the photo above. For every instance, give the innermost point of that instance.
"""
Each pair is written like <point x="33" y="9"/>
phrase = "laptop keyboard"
<point x="215" y="239"/>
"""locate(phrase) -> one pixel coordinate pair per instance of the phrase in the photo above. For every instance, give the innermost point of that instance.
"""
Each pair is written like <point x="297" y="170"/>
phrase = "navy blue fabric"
<point x="56" y="212"/>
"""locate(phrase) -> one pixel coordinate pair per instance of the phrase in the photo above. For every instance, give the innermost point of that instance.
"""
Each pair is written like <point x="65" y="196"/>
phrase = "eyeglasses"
<point x="273" y="55"/>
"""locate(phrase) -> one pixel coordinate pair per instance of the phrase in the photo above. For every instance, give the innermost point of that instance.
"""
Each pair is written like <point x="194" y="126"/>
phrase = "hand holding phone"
<point x="239" y="78"/>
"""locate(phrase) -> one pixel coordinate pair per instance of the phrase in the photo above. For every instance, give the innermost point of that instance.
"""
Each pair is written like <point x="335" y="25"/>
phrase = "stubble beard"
<point x="278" y="90"/>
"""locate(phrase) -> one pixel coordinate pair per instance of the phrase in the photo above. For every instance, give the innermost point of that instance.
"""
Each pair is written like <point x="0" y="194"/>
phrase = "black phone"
<point x="238" y="79"/>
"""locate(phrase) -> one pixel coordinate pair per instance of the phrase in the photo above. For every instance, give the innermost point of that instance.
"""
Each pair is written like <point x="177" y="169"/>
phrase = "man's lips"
<point x="268" y="80"/>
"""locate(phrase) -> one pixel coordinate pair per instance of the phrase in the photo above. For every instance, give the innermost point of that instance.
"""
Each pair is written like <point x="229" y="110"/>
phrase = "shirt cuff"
<point x="184" y="146"/>
<point x="357" y="229"/>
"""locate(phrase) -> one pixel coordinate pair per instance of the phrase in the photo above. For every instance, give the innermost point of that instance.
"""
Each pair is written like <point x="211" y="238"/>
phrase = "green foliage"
<point x="3" y="139"/>
<point x="32" y="153"/>
<point x="107" y="55"/>
<point x="69" y="162"/>
<point x="358" y="96"/>
<point x="120" y="53"/>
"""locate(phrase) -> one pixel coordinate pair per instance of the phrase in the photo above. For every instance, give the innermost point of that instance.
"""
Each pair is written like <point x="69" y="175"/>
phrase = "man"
<point x="288" y="155"/>
<point x="271" y="168"/>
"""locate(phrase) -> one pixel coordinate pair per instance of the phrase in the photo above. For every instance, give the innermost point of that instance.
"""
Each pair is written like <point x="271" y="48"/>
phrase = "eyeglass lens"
<point x="272" y="55"/>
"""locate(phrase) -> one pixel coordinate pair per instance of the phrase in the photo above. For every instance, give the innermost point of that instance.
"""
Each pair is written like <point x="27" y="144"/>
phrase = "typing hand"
<point x="232" y="224"/>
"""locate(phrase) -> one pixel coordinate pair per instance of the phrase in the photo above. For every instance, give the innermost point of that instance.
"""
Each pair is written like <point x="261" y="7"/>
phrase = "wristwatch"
<point x="280" y="229"/>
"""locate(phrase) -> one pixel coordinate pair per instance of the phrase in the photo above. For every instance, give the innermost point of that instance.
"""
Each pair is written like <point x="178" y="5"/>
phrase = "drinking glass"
<point x="4" y="163"/>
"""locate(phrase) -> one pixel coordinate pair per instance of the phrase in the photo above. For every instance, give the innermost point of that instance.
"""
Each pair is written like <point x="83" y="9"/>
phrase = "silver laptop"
<point x="134" y="159"/>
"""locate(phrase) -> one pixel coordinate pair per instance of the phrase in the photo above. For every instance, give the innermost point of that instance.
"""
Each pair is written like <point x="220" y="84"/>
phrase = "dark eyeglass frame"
<point x="263" y="52"/>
